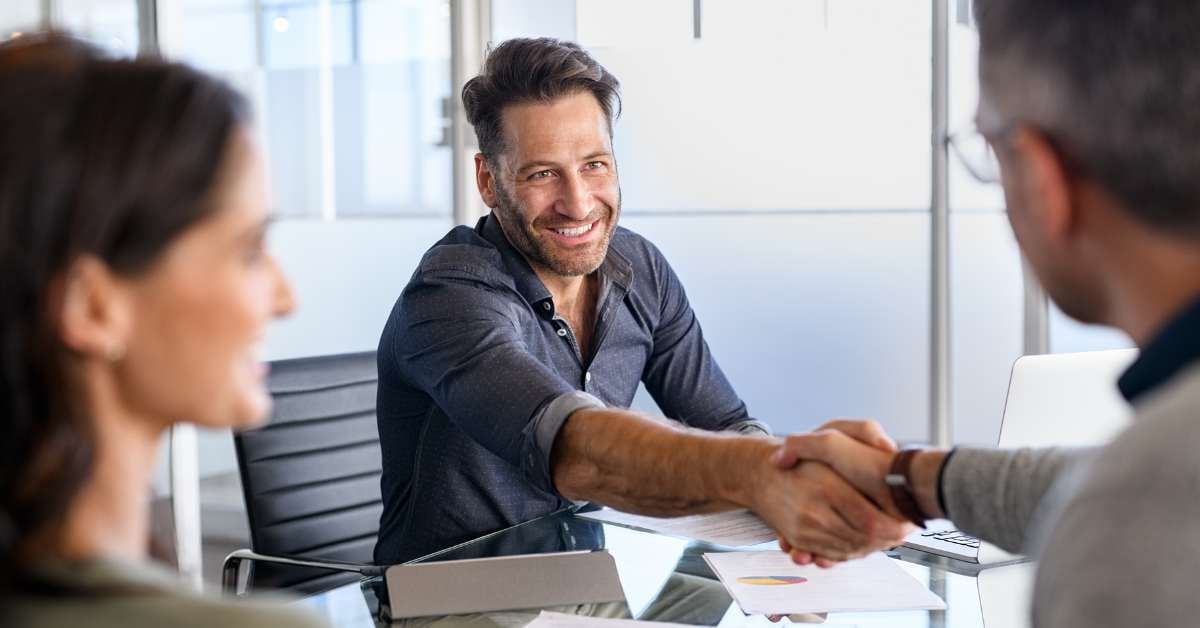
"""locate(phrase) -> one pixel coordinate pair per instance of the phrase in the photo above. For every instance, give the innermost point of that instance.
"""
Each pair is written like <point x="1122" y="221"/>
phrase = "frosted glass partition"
<point x="110" y="24"/>
<point x="347" y="275"/>
<point x="533" y="18"/>
<point x="359" y="129"/>
<point x="812" y="316"/>
<point x="781" y="105"/>
<point x="986" y="321"/>
<point x="815" y="316"/>
<point x="17" y="15"/>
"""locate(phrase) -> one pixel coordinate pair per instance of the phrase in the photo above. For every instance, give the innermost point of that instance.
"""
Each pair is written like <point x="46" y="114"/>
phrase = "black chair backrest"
<point x="311" y="475"/>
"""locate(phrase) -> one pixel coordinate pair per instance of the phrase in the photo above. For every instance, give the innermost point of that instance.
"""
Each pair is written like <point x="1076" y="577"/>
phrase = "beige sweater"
<point x="106" y="593"/>
<point x="1116" y="530"/>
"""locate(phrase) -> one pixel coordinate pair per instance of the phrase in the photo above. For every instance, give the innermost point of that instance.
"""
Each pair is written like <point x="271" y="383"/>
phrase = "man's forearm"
<point x="994" y="494"/>
<point x="637" y="464"/>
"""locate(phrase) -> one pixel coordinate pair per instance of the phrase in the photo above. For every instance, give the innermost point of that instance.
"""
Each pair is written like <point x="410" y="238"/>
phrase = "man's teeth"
<point x="575" y="232"/>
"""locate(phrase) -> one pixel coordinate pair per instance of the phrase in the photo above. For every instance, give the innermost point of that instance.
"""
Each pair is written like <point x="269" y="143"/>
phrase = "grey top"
<point x="1117" y="539"/>
<point x="478" y="372"/>
<point x="106" y="593"/>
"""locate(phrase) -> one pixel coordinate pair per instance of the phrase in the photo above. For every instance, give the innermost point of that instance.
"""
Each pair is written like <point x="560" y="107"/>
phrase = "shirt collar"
<point x="527" y="281"/>
<point x="1173" y="349"/>
<point x="616" y="269"/>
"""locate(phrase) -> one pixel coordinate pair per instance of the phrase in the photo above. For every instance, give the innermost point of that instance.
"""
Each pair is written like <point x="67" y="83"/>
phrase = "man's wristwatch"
<point x="900" y="485"/>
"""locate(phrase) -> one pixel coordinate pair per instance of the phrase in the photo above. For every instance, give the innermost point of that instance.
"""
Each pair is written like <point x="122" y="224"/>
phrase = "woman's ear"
<point x="92" y="309"/>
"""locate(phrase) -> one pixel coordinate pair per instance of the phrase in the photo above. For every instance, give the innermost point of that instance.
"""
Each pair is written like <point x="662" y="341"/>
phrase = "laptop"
<point x="1061" y="399"/>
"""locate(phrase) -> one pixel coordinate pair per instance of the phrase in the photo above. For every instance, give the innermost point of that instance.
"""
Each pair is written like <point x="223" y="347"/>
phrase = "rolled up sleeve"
<point x="544" y="429"/>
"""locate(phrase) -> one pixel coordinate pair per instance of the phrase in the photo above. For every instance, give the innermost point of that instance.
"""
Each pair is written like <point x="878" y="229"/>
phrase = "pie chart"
<point x="771" y="581"/>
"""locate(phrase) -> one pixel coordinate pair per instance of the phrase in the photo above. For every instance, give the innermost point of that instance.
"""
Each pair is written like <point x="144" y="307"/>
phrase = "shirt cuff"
<point x="941" y="481"/>
<point x="543" y="430"/>
<point x="750" y="428"/>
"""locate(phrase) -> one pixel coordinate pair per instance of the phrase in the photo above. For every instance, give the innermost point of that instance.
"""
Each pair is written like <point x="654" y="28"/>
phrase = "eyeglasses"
<point x="976" y="155"/>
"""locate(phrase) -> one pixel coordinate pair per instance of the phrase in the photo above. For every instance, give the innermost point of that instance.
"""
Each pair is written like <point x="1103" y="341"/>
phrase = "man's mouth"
<point x="574" y="232"/>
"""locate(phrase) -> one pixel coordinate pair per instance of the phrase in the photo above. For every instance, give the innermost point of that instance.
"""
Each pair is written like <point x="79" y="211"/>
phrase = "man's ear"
<point x="93" y="310"/>
<point x="485" y="180"/>
<point x="1047" y="191"/>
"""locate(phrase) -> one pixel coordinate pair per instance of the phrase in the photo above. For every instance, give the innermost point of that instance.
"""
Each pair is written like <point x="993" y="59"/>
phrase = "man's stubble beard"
<point x="537" y="251"/>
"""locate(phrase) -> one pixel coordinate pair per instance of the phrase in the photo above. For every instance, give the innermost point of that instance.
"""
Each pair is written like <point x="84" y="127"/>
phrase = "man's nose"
<point x="576" y="200"/>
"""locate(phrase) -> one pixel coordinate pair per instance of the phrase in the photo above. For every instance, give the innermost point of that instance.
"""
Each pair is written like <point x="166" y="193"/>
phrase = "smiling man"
<point x="510" y="359"/>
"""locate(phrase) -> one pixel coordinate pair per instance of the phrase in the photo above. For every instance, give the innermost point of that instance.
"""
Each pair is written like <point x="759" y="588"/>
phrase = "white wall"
<point x="811" y="315"/>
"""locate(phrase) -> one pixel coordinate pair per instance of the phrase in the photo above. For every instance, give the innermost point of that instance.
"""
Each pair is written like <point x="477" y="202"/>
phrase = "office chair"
<point x="310" y="478"/>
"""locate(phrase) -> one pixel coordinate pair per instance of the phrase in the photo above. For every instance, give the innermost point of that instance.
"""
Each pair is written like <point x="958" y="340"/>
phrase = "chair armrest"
<point x="231" y="568"/>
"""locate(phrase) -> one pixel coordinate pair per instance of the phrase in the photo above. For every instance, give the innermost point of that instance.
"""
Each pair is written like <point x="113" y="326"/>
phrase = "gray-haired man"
<point x="1093" y="109"/>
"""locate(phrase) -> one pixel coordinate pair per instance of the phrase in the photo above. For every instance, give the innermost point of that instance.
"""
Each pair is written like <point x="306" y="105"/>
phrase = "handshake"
<point x="826" y="497"/>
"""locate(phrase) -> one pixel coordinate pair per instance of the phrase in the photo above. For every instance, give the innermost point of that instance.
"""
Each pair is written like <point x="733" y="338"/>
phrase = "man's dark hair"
<point x="1114" y="84"/>
<point x="533" y="70"/>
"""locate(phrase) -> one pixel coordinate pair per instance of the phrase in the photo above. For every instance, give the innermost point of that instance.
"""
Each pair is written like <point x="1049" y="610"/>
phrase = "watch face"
<point x="894" y="479"/>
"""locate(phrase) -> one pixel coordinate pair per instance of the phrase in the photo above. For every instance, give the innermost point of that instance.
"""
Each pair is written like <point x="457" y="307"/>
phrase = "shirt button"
<point x="546" y="306"/>
<point x="562" y="332"/>
<point x="587" y="377"/>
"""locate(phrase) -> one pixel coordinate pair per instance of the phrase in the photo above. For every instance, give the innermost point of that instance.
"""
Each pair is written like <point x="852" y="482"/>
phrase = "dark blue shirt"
<point x="478" y="371"/>
<point x="1175" y="347"/>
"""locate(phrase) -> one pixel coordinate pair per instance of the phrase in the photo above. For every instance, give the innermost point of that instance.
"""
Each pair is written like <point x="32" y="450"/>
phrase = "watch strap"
<point x="899" y="481"/>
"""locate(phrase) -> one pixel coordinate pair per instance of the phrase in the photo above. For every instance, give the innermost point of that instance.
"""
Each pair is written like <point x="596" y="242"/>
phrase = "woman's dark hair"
<point x="102" y="157"/>
<point x="533" y="70"/>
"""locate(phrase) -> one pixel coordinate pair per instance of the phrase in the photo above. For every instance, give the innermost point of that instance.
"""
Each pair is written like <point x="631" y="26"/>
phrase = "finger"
<point x="800" y="447"/>
<point x="800" y="558"/>
<point x="857" y="513"/>
<point x="838" y="510"/>
<point x="861" y="465"/>
<point x="852" y="539"/>
<point x="788" y="454"/>
<point x="878" y="529"/>
<point x="822" y="532"/>
<point x="784" y="546"/>
<point x="864" y="431"/>
<point x="825" y="563"/>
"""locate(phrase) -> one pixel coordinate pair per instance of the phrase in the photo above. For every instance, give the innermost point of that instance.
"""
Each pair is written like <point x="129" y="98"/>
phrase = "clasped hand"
<point x="826" y="496"/>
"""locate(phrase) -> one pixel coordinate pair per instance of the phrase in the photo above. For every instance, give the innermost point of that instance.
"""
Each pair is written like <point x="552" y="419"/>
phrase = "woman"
<point x="134" y="286"/>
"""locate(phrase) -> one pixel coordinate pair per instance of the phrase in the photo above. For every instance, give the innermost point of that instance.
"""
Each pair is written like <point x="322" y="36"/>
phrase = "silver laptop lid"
<point x="1065" y="399"/>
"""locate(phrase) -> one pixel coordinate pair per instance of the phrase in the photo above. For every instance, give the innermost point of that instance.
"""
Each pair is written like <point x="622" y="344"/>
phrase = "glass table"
<point x="666" y="579"/>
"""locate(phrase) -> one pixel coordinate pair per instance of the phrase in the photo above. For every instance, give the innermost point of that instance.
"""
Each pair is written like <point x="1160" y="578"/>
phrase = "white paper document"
<point x="548" y="619"/>
<point x="736" y="528"/>
<point x="771" y="584"/>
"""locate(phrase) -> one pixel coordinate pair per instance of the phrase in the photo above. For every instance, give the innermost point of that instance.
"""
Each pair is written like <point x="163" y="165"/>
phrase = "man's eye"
<point x="541" y="174"/>
<point x="593" y="165"/>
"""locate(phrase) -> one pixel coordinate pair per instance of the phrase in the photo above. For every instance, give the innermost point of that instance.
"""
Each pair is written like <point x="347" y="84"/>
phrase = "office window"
<point x="109" y="24"/>
<point x="16" y="16"/>
<point x="350" y="97"/>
